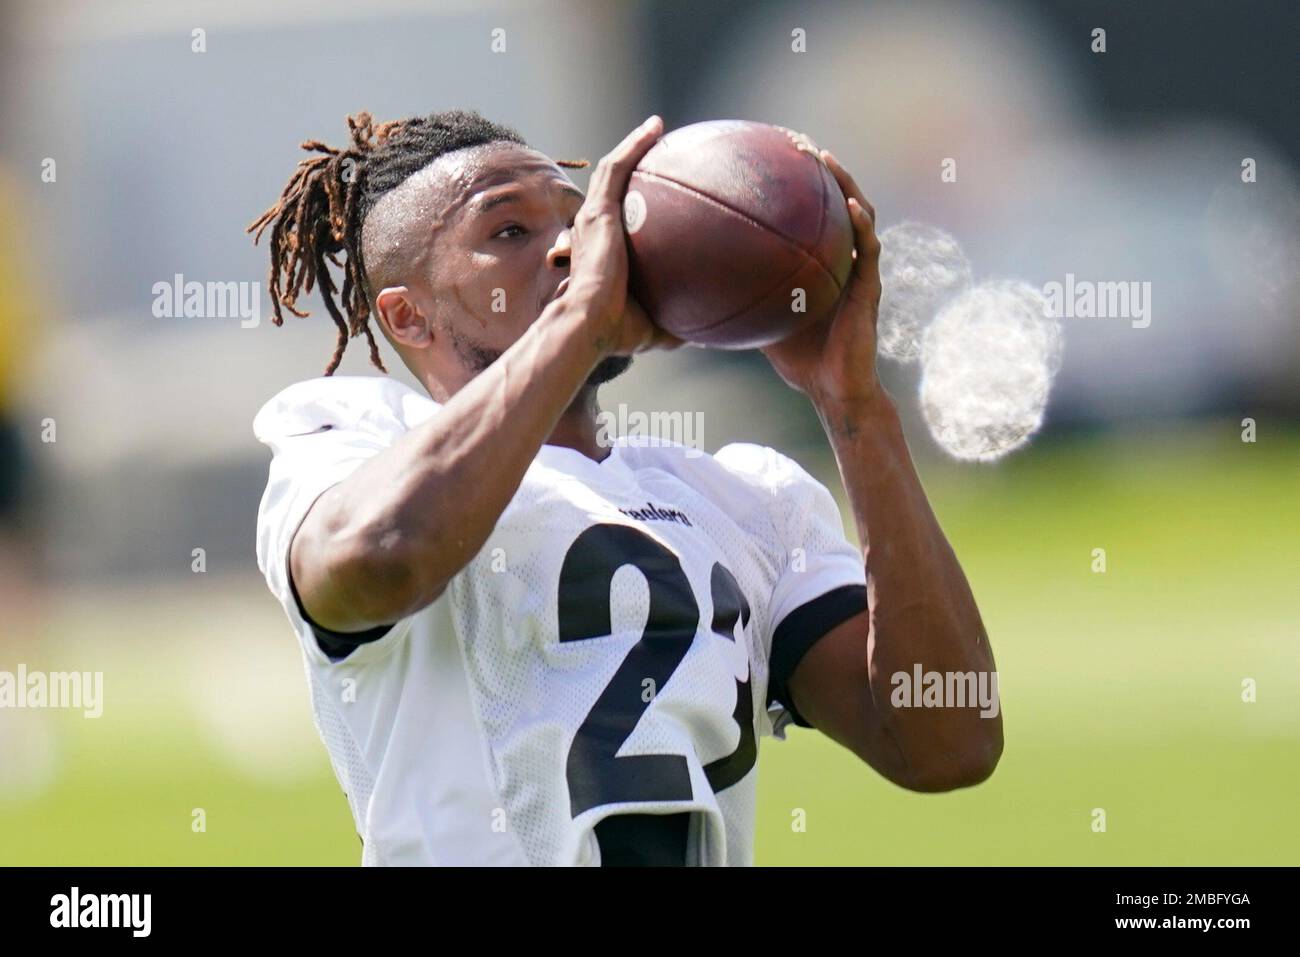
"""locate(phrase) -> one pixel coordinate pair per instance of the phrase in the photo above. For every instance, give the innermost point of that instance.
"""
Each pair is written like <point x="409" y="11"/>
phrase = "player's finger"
<point x="848" y="186"/>
<point x="609" y="179"/>
<point x="864" y="281"/>
<point x="866" y="244"/>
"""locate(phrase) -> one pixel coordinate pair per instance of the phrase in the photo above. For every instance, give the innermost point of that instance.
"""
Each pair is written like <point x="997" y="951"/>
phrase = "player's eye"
<point x="512" y="231"/>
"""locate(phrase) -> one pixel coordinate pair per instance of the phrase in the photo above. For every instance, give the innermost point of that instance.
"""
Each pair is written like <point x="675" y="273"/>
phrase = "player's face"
<point x="500" y="247"/>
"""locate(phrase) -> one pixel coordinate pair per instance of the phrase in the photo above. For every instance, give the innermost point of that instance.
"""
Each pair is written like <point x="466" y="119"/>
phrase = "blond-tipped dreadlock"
<point x="321" y="210"/>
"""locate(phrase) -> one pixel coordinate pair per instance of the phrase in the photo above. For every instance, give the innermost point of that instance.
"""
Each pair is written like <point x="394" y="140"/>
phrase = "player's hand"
<point x="598" y="272"/>
<point x="836" y="359"/>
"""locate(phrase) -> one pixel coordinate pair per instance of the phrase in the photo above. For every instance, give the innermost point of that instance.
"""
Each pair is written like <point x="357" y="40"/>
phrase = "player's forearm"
<point x="413" y="516"/>
<point x="922" y="611"/>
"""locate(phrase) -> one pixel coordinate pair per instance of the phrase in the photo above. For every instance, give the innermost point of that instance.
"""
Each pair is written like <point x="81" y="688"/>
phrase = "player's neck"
<point x="578" y="426"/>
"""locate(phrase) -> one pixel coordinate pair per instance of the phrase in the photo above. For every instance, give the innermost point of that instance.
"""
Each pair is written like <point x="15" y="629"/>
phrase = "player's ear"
<point x="401" y="316"/>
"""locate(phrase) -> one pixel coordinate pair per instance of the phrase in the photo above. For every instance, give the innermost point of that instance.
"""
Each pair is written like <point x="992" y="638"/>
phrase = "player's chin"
<point x="609" y="368"/>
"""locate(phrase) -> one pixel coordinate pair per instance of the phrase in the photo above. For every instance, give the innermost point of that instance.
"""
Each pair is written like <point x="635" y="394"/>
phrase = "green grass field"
<point x="1120" y="691"/>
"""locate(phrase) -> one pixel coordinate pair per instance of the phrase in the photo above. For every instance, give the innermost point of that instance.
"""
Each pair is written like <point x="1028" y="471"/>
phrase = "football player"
<point x="526" y="646"/>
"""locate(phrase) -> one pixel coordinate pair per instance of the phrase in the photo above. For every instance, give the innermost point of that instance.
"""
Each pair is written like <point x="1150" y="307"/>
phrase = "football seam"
<point x="788" y="240"/>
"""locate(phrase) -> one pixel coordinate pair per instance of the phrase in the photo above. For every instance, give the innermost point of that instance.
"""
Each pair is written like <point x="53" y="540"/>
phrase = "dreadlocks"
<point x="323" y="207"/>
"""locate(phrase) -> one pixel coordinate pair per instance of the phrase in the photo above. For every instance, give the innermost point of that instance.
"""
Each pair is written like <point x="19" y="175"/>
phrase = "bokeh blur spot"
<point x="921" y="268"/>
<point x="987" y="364"/>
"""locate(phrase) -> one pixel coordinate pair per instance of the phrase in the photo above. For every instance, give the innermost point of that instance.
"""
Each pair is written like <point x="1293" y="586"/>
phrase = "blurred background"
<point x="128" y="157"/>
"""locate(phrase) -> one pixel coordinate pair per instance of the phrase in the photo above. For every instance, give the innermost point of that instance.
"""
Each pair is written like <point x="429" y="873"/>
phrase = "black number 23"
<point x="596" y="775"/>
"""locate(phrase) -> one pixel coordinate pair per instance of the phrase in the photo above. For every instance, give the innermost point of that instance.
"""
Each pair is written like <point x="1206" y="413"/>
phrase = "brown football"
<point x="738" y="234"/>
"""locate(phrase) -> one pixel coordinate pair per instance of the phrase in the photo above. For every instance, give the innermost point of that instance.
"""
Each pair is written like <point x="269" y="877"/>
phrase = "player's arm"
<point x="920" y="610"/>
<point x="384" y="542"/>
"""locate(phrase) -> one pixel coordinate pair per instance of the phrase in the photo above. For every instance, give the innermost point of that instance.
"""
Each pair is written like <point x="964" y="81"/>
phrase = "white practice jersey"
<point x="618" y="646"/>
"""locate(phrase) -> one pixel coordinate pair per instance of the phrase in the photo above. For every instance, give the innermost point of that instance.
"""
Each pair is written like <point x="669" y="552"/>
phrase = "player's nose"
<point x="561" y="251"/>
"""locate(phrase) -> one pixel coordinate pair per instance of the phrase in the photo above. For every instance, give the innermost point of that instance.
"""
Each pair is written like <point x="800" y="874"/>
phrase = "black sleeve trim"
<point x="337" y="645"/>
<point x="803" y="628"/>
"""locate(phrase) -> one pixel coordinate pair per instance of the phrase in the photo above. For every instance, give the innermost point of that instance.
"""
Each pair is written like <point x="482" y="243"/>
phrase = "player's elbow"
<point x="366" y="575"/>
<point x="382" y="584"/>
<point x="970" y="763"/>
